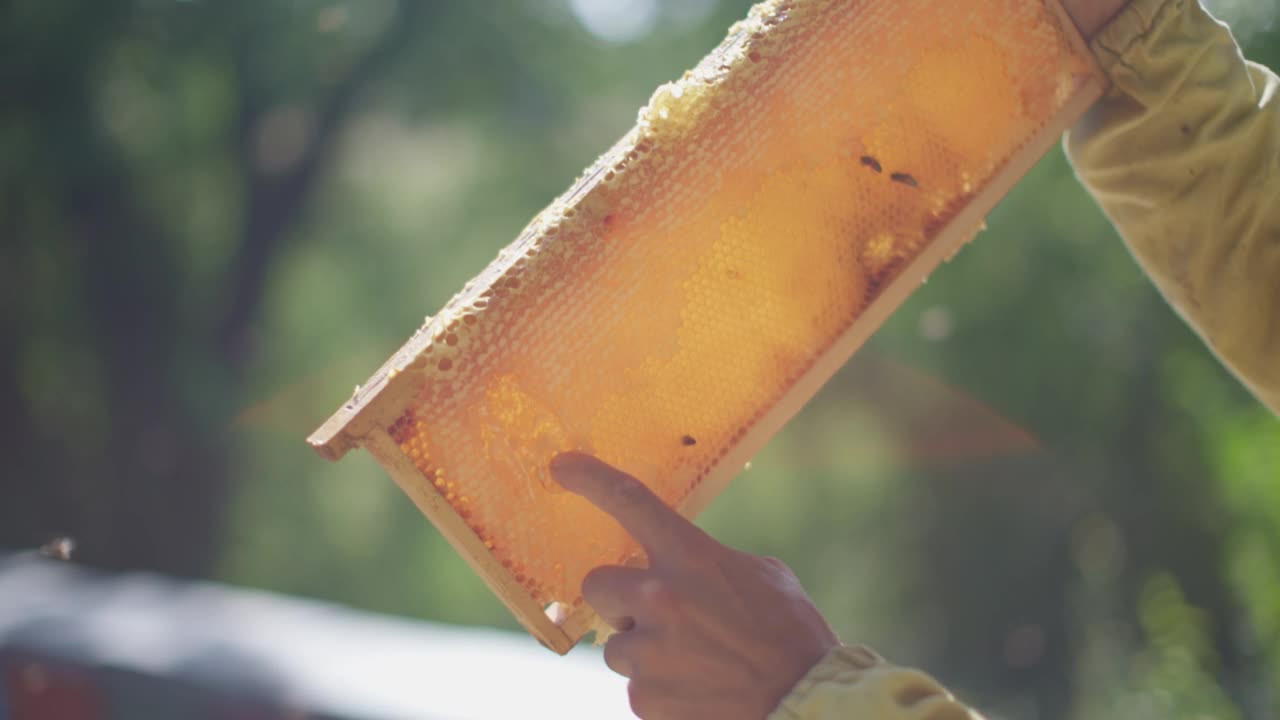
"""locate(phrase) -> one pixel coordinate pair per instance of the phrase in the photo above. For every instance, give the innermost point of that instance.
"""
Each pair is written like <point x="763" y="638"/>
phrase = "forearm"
<point x="1183" y="155"/>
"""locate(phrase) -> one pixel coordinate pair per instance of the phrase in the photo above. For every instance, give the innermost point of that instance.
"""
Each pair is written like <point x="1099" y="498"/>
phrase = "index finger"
<point x="663" y="532"/>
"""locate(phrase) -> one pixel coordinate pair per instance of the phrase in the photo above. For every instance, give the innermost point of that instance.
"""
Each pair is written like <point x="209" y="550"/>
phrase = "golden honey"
<point x="715" y="260"/>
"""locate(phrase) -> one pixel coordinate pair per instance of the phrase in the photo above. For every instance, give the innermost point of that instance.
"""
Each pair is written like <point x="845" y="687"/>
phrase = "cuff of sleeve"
<point x="844" y="665"/>
<point x="854" y="682"/>
<point x="1127" y="30"/>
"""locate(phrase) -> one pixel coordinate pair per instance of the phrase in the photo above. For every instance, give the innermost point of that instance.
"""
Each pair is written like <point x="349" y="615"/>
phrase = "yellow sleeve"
<point x="1183" y="155"/>
<point x="853" y="682"/>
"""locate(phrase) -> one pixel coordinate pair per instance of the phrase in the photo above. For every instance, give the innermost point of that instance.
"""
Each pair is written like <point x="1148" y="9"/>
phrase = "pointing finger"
<point x="663" y="532"/>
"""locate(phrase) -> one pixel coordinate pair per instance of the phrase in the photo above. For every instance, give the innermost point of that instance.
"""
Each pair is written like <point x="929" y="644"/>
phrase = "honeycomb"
<point x="705" y="276"/>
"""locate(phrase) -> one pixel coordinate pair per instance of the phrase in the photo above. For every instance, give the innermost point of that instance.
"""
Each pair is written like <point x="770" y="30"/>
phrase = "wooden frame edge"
<point x="580" y="622"/>
<point x="441" y="514"/>
<point x="1078" y="41"/>
<point x="344" y="429"/>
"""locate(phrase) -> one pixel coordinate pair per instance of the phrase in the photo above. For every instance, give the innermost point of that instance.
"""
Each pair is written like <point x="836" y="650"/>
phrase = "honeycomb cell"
<point x="704" y="270"/>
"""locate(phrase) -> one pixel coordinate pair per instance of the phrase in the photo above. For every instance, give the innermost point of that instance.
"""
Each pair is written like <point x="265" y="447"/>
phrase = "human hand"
<point x="1090" y="16"/>
<point x="705" y="631"/>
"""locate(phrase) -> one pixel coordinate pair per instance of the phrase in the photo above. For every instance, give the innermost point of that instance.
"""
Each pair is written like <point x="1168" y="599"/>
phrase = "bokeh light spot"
<point x="616" y="21"/>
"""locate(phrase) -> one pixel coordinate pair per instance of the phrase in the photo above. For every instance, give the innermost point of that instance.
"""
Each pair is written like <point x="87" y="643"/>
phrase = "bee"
<point x="688" y="441"/>
<point x="59" y="548"/>
<point x="905" y="179"/>
<point x="871" y="162"/>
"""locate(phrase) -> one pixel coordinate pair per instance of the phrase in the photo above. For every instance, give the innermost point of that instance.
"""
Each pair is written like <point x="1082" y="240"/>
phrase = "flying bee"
<point x="59" y="548"/>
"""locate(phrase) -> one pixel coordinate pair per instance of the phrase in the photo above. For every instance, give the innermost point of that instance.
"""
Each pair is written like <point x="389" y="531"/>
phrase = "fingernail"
<point x="564" y="462"/>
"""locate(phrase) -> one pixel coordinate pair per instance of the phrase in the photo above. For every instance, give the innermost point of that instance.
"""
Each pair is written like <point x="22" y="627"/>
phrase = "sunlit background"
<point x="217" y="217"/>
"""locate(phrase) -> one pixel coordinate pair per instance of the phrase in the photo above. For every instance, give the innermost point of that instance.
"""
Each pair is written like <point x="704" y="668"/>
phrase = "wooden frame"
<point x="362" y="422"/>
<point x="499" y="579"/>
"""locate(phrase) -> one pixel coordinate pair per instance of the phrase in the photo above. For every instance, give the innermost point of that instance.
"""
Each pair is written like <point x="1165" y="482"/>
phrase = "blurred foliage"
<point x="218" y="216"/>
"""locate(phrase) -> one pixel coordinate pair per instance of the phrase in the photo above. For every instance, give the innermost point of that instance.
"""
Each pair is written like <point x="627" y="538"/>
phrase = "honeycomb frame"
<point x="375" y="416"/>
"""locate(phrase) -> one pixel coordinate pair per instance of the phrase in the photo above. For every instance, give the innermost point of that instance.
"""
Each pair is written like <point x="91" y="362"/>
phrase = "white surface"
<point x="323" y="657"/>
